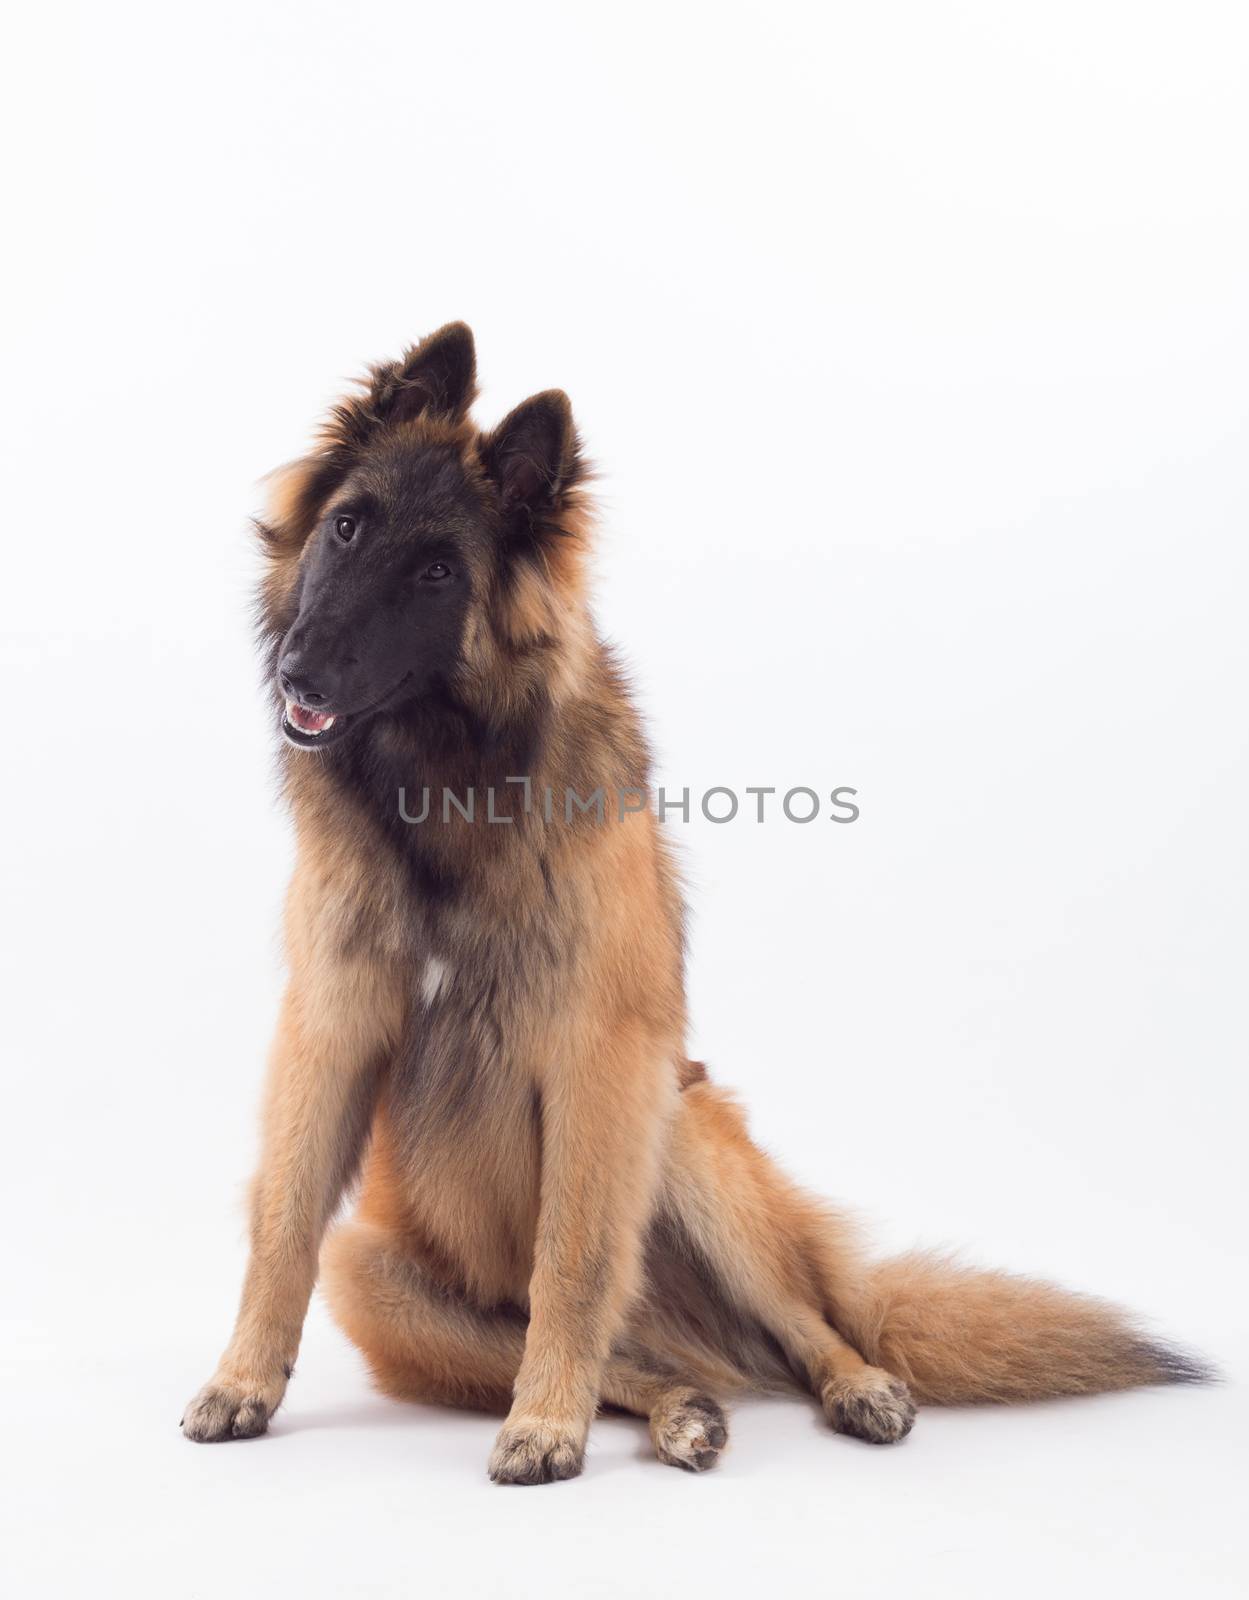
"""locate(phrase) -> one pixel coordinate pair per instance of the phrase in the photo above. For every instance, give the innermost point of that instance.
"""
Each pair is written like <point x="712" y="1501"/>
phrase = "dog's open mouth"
<point x="314" y="730"/>
<point x="304" y="727"/>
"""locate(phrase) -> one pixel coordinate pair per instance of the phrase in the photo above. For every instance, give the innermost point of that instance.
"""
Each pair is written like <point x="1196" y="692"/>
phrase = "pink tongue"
<point x="309" y="721"/>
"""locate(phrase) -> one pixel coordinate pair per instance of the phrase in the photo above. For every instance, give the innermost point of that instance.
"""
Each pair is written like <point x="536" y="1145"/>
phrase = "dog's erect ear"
<point x="436" y="376"/>
<point x="532" y="454"/>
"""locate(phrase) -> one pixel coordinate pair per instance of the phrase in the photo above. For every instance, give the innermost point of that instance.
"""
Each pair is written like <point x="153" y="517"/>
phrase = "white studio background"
<point x="911" y="343"/>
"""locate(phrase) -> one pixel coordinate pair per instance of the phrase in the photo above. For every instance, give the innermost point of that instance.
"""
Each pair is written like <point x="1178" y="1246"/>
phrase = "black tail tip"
<point x="1171" y="1363"/>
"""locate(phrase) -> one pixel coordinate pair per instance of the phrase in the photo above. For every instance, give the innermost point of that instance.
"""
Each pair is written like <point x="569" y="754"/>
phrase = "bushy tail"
<point x="960" y="1336"/>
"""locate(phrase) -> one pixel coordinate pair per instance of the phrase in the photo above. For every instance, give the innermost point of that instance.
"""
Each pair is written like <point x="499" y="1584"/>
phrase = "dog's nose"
<point x="297" y="684"/>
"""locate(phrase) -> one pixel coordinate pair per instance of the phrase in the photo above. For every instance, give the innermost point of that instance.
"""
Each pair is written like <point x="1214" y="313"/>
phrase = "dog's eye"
<point x="438" y="571"/>
<point x="345" y="528"/>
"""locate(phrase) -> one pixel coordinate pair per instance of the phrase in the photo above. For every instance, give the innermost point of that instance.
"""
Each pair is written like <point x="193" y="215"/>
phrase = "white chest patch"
<point x="435" y="980"/>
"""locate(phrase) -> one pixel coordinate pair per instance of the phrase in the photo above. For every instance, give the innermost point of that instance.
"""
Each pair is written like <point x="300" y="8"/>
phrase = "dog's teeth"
<point x="308" y="733"/>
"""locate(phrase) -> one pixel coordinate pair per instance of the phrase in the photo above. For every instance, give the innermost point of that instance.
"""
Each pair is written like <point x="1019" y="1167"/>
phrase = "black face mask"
<point x="383" y="594"/>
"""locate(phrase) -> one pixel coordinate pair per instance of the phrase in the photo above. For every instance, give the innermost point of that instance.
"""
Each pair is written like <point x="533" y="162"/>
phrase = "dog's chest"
<point x="463" y="1127"/>
<point x="463" y="1071"/>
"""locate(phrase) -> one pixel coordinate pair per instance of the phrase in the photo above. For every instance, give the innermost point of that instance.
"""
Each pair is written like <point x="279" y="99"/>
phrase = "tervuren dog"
<point x="557" y="1209"/>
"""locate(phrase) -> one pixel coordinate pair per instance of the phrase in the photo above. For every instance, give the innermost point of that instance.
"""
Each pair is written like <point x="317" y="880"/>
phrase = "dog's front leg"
<point x="603" y="1122"/>
<point x="338" y="1020"/>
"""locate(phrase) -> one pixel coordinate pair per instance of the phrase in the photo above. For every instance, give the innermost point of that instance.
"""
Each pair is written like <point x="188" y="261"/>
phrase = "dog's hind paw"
<point x="689" y="1430"/>
<point x="871" y="1405"/>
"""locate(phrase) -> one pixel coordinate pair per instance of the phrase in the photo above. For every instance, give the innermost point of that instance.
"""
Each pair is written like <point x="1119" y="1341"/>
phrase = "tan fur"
<point x="557" y="1209"/>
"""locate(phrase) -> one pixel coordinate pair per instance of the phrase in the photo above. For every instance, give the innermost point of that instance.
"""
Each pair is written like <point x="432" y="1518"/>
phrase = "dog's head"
<point x="413" y="556"/>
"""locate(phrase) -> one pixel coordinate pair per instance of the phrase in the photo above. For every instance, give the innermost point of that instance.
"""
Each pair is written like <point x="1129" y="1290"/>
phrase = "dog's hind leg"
<point x="768" y="1250"/>
<point x="688" y="1426"/>
<point x="423" y="1341"/>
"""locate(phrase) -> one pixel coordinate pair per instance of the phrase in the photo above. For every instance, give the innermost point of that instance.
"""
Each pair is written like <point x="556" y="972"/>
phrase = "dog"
<point x="485" y="1019"/>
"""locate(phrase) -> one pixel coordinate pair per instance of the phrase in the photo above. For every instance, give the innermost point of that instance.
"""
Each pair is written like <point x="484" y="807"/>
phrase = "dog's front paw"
<point x="871" y="1405"/>
<point x="537" y="1451"/>
<point x="230" y="1410"/>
